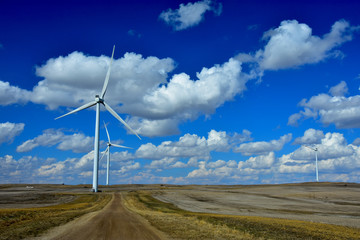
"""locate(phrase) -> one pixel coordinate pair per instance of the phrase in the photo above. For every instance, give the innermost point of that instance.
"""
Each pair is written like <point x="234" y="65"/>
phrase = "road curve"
<point x="114" y="221"/>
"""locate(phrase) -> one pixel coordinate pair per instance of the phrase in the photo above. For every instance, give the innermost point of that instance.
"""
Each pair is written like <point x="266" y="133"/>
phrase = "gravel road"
<point x="112" y="222"/>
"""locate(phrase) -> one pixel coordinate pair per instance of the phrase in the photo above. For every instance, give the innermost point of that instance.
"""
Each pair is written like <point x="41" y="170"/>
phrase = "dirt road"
<point x="112" y="222"/>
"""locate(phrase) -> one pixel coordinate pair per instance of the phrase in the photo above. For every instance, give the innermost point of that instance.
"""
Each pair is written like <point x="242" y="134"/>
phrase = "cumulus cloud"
<point x="76" y="142"/>
<point x="292" y="44"/>
<point x="211" y="172"/>
<point x="23" y="169"/>
<point x="333" y="108"/>
<point x="8" y="131"/>
<point x="337" y="160"/>
<point x="31" y="169"/>
<point x="184" y="98"/>
<point x="189" y="15"/>
<point x="47" y="170"/>
<point x="12" y="94"/>
<point x="311" y="136"/>
<point x="152" y="128"/>
<point x="339" y="90"/>
<point x="141" y="86"/>
<point x="334" y="155"/>
<point x="259" y="162"/>
<point x="262" y="147"/>
<point x="74" y="79"/>
<point x="191" y="146"/>
<point x="129" y="167"/>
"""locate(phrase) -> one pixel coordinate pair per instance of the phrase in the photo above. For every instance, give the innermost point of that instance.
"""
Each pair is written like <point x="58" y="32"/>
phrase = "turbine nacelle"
<point x="98" y="99"/>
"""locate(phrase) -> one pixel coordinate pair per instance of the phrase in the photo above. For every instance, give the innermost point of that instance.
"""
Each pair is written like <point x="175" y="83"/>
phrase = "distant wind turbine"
<point x="100" y="100"/>
<point x="316" y="161"/>
<point x="109" y="144"/>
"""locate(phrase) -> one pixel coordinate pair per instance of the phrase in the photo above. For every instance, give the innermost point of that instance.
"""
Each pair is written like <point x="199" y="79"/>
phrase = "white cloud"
<point x="184" y="98"/>
<point x="55" y="168"/>
<point x="86" y="162"/>
<point x="189" y="15"/>
<point x="22" y="170"/>
<point x="356" y="142"/>
<point x="339" y="90"/>
<point x="8" y="131"/>
<point x="334" y="155"/>
<point x="164" y="163"/>
<point x="292" y="44"/>
<point x="190" y="146"/>
<point x="332" y="146"/>
<point x="129" y="167"/>
<point x="29" y="169"/>
<point x="262" y="147"/>
<point x="187" y="146"/>
<point x="76" y="142"/>
<point x="311" y="136"/>
<point x="138" y="86"/>
<point x="122" y="156"/>
<point x="153" y="128"/>
<point x="259" y="162"/>
<point x="12" y="94"/>
<point x="337" y="160"/>
<point x="342" y="111"/>
<point x="74" y="79"/>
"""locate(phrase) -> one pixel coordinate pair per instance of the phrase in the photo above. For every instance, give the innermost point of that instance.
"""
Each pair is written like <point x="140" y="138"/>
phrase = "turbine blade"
<point x="107" y="133"/>
<point x="310" y="148"/>
<point x="119" y="118"/>
<point x="107" y="149"/>
<point x="106" y="82"/>
<point x="90" y="104"/>
<point x="120" y="146"/>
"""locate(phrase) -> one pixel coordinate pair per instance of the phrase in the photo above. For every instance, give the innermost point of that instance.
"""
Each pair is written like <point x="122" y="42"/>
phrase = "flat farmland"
<point x="318" y="202"/>
<point x="285" y="211"/>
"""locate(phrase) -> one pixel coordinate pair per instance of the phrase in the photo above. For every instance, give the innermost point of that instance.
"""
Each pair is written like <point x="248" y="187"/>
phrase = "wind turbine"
<point x="98" y="101"/>
<point x="316" y="162"/>
<point x="109" y="144"/>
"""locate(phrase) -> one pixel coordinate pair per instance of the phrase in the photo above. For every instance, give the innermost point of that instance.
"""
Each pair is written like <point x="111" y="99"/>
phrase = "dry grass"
<point x="31" y="222"/>
<point x="181" y="224"/>
<point x="176" y="223"/>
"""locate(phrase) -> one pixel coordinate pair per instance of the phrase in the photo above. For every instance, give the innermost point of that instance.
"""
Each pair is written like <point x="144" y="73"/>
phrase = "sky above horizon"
<point x="221" y="92"/>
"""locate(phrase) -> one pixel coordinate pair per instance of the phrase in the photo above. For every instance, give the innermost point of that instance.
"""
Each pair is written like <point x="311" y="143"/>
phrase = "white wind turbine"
<point x="98" y="101"/>
<point x="316" y="162"/>
<point x="107" y="151"/>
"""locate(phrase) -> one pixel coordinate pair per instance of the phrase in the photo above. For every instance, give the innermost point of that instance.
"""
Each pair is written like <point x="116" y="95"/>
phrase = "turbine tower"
<point x="316" y="162"/>
<point x="109" y="144"/>
<point x="98" y="101"/>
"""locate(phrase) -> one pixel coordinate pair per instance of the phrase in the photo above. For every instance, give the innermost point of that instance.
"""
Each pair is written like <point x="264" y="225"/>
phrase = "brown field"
<point x="286" y="211"/>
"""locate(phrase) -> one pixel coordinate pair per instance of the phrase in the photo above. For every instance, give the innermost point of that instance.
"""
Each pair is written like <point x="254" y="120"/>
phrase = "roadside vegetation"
<point x="181" y="224"/>
<point x="31" y="222"/>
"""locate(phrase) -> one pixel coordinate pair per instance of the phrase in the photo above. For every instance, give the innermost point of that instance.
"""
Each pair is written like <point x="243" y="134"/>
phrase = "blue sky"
<point x="221" y="92"/>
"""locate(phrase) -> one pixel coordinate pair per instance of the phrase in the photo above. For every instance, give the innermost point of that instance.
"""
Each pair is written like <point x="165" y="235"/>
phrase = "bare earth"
<point x="332" y="203"/>
<point x="112" y="222"/>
